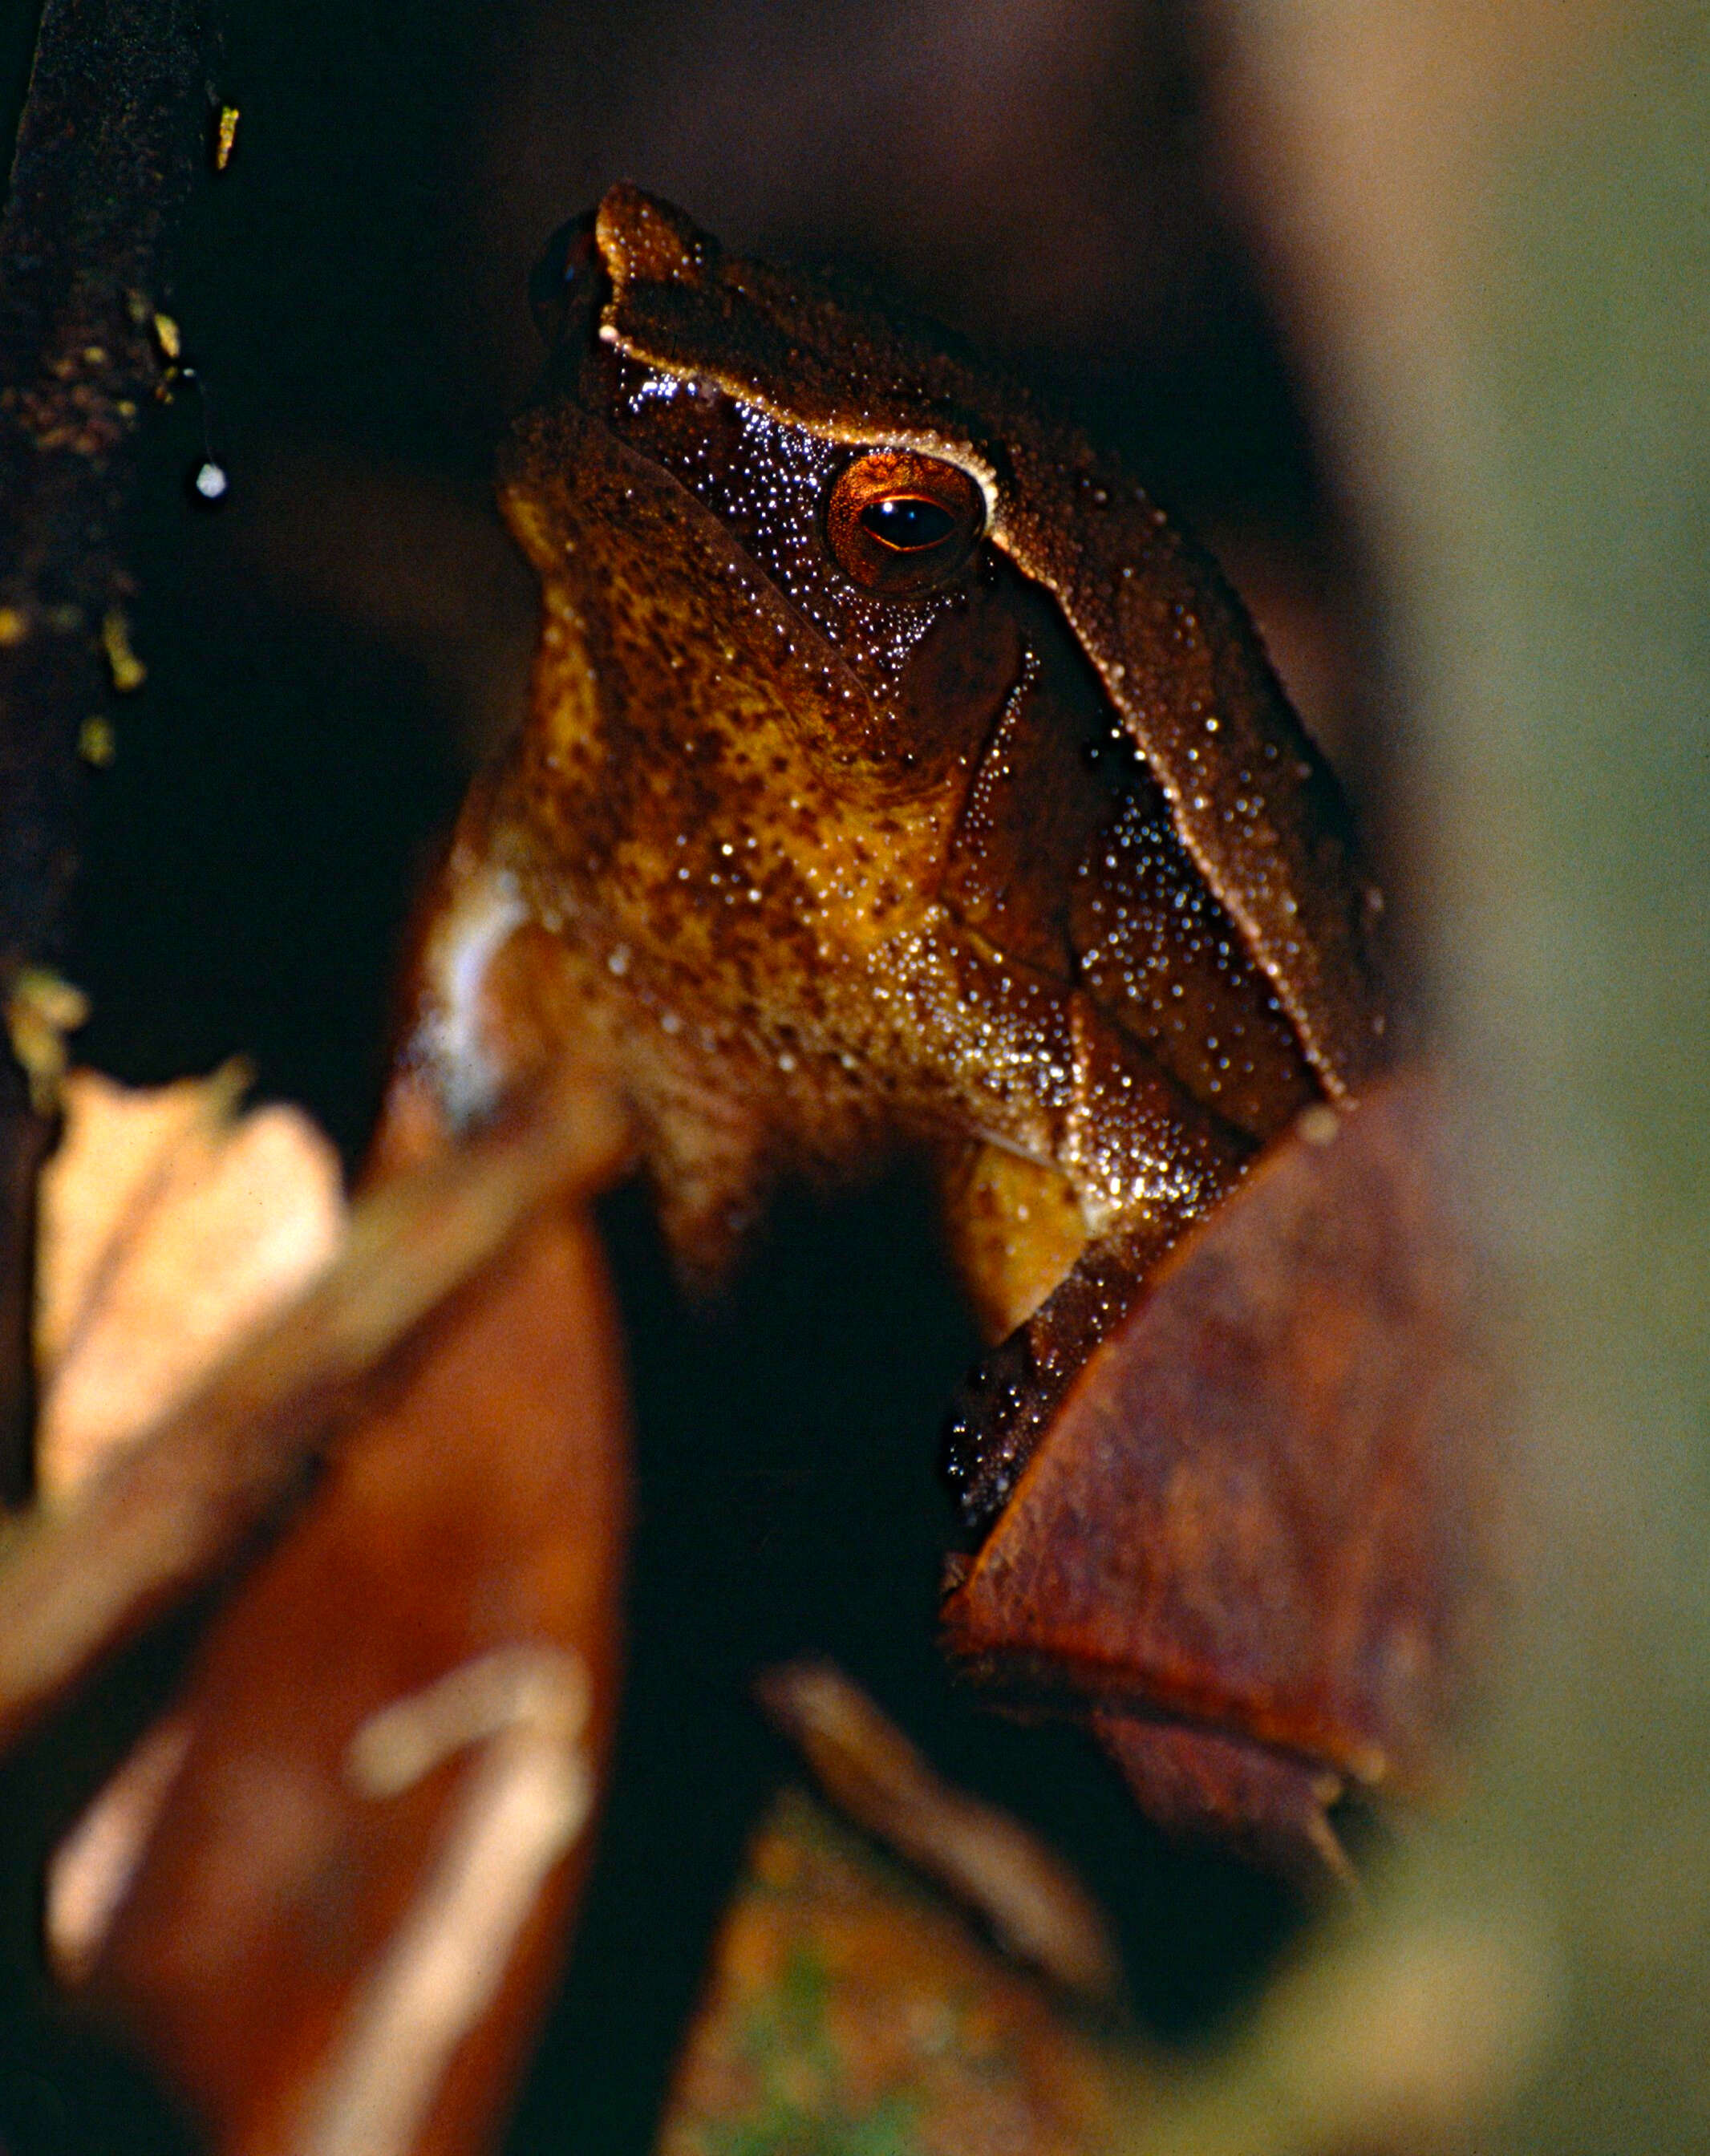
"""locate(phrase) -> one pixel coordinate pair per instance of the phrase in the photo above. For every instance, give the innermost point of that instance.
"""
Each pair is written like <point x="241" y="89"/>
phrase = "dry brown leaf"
<point x="1264" y="1537"/>
<point x="168" y="1228"/>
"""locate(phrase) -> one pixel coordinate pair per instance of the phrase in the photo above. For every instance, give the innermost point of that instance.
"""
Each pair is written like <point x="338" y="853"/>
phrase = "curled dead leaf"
<point x="1265" y="1543"/>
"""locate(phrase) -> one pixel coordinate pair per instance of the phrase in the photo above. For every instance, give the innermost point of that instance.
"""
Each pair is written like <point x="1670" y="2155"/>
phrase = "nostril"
<point x="570" y="254"/>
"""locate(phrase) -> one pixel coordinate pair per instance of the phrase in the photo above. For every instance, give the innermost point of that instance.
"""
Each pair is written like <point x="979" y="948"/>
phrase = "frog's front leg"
<point x="451" y="1072"/>
<point x="1087" y="1163"/>
<point x="505" y="987"/>
<point x="491" y="1001"/>
<point x="1015" y="1226"/>
<point x="1072" y="1135"/>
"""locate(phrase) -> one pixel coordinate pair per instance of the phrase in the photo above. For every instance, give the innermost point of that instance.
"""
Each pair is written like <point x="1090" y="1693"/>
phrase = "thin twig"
<point x="1031" y="1898"/>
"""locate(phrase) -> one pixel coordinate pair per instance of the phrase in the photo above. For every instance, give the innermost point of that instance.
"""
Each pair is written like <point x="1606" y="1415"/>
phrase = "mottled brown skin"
<point x="1020" y="857"/>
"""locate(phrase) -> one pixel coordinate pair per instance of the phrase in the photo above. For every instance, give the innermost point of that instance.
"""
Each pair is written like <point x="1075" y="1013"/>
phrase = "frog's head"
<point x="798" y="552"/>
<point x="780" y="598"/>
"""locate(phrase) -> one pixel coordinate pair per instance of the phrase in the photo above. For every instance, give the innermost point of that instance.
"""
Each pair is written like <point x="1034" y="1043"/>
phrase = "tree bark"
<point x="113" y="130"/>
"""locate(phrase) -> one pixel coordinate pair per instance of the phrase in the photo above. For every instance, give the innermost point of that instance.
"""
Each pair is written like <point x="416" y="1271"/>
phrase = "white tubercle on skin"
<point x="488" y="910"/>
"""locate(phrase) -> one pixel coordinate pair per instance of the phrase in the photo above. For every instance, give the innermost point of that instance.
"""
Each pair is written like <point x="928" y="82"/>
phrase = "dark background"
<point x="328" y="654"/>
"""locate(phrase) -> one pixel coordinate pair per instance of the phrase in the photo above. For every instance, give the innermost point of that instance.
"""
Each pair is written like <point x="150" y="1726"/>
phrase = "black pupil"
<point x="908" y="522"/>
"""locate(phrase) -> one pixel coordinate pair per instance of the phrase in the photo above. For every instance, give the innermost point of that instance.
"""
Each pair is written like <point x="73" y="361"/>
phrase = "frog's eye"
<point x="900" y="523"/>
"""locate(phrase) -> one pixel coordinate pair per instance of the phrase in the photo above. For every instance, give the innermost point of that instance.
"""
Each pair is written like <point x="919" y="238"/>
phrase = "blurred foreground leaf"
<point x="169" y="1512"/>
<point x="329" y="1916"/>
<point x="168" y="1226"/>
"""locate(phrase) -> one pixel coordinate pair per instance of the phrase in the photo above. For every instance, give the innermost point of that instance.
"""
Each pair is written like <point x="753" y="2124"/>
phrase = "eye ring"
<point x="901" y="524"/>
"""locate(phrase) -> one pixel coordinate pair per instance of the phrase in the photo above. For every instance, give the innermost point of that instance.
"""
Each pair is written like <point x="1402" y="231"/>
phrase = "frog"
<point x="897" y="776"/>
